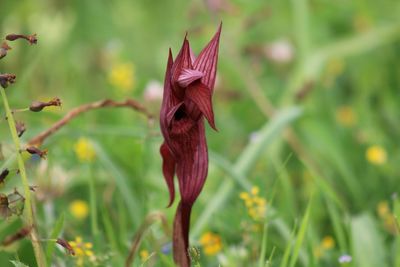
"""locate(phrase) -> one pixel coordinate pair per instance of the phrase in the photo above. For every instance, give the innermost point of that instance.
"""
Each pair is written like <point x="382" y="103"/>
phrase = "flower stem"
<point x="21" y="165"/>
<point x="93" y="204"/>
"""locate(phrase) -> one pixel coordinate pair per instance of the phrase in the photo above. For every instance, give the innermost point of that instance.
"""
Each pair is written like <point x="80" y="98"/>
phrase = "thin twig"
<point x="131" y="103"/>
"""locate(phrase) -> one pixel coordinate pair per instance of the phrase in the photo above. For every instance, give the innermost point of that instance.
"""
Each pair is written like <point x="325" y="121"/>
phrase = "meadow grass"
<point x="303" y="169"/>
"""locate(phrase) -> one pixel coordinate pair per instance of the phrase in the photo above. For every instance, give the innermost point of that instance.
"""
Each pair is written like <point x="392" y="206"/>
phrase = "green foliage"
<point x="306" y="104"/>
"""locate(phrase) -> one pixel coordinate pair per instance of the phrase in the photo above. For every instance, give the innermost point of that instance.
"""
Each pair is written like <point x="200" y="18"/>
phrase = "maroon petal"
<point x="207" y="60"/>
<point x="168" y="170"/>
<point x="181" y="235"/>
<point x="192" y="162"/>
<point x="182" y="61"/>
<point x="188" y="76"/>
<point x="167" y="97"/>
<point x="200" y="95"/>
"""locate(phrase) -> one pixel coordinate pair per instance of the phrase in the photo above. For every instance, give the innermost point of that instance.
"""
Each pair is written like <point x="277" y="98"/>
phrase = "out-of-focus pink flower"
<point x="280" y="51"/>
<point x="153" y="91"/>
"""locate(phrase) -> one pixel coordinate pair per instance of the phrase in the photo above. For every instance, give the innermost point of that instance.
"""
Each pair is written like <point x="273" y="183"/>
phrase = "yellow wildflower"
<point x="256" y="205"/>
<point x="335" y="67"/>
<point x="244" y="195"/>
<point x="211" y="243"/>
<point x="383" y="209"/>
<point x="318" y="252"/>
<point x="122" y="77"/>
<point x="79" y="209"/>
<point x="144" y="255"/>
<point x="328" y="242"/>
<point x="255" y="190"/>
<point x="83" y="251"/>
<point x="345" y="116"/>
<point x="376" y="155"/>
<point x="84" y="150"/>
<point x="387" y="217"/>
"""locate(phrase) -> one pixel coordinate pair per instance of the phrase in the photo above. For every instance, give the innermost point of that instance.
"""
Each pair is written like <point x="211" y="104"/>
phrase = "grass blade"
<point x="261" y="260"/>
<point x="268" y="133"/>
<point x="301" y="235"/>
<point x="286" y="254"/>
<point x="122" y="184"/>
<point x="368" y="247"/>
<point x="54" y="235"/>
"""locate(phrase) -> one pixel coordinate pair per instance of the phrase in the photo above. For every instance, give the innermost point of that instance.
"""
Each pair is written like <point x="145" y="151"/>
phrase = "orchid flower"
<point x="187" y="98"/>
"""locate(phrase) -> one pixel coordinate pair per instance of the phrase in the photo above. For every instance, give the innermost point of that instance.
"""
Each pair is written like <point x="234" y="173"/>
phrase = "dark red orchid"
<point x="188" y="88"/>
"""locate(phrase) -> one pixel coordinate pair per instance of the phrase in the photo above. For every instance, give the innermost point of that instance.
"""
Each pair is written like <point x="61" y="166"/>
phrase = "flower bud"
<point x="20" y="126"/>
<point x="37" y="106"/>
<point x="6" y="79"/>
<point x="3" y="50"/>
<point x="3" y="175"/>
<point x="66" y="245"/>
<point x="36" y="151"/>
<point x="23" y="232"/>
<point x="30" y="38"/>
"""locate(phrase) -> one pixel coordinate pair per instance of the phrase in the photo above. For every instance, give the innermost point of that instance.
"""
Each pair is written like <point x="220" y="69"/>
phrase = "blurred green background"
<point x="303" y="170"/>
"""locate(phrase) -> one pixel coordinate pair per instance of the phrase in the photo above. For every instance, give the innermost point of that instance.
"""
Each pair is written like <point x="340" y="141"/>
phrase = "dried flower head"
<point x="36" y="151"/>
<point x="20" y="126"/>
<point x="7" y="79"/>
<point x="3" y="175"/>
<point x="11" y="204"/>
<point x="66" y="245"/>
<point x="32" y="39"/>
<point x="4" y="49"/>
<point x="37" y="106"/>
<point x="23" y="232"/>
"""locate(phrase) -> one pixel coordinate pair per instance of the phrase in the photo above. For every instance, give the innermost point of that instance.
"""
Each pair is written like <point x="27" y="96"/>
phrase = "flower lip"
<point x="188" y="76"/>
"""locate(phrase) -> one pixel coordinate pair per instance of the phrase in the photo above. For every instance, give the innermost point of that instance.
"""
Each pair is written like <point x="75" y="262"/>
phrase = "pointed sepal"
<point x="168" y="168"/>
<point x="200" y="95"/>
<point x="207" y="60"/>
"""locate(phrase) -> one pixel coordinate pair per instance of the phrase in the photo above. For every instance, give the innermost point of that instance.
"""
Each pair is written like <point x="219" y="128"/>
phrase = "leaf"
<point x="122" y="184"/>
<point x="19" y="264"/>
<point x="54" y="235"/>
<point x="286" y="254"/>
<point x="368" y="247"/>
<point x="301" y="235"/>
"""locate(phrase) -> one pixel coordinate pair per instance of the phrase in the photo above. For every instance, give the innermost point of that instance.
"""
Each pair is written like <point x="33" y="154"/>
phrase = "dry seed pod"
<point x="32" y="39"/>
<point x="36" y="151"/>
<point x="37" y="106"/>
<point x="6" y="79"/>
<point x="66" y="245"/>
<point x="23" y="232"/>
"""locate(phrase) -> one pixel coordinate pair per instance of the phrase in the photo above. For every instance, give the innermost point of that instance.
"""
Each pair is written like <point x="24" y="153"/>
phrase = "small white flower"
<point x="253" y="137"/>
<point x="280" y="51"/>
<point x="345" y="258"/>
<point x="153" y="91"/>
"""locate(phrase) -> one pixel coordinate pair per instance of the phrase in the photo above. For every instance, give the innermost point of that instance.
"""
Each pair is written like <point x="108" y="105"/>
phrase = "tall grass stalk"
<point x="29" y="216"/>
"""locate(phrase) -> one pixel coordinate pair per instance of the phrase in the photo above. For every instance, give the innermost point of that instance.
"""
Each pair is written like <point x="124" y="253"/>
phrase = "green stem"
<point x="93" y="204"/>
<point x="21" y="165"/>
